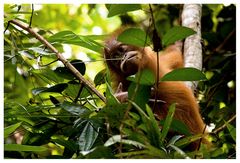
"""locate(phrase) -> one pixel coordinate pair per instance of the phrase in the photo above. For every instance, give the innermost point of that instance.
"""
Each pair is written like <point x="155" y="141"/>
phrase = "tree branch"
<point x="225" y="125"/>
<point x="60" y="57"/>
<point x="191" y="18"/>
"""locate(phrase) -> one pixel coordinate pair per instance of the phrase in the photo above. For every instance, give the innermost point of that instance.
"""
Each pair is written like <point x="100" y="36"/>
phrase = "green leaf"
<point x="68" y="37"/>
<point x="232" y="131"/>
<point x="134" y="36"/>
<point x="111" y="99"/>
<point x="168" y="121"/>
<point x="118" y="139"/>
<point x="176" y="33"/>
<point x="99" y="78"/>
<point x="141" y="95"/>
<point x="70" y="144"/>
<point x="146" y="77"/>
<point x="79" y="65"/>
<point x="188" y="140"/>
<point x="88" y="137"/>
<point x="116" y="9"/>
<point x="10" y="129"/>
<point x="180" y="151"/>
<point x="47" y="75"/>
<point x="101" y="152"/>
<point x="184" y="74"/>
<point x="178" y="126"/>
<point x="56" y="88"/>
<point x="26" y="148"/>
<point x="153" y="128"/>
<point x="72" y="108"/>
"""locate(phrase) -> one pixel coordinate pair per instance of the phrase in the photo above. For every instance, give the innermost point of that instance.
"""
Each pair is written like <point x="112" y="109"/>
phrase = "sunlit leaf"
<point x="134" y="36"/>
<point x="66" y="143"/>
<point x="19" y="147"/>
<point x="47" y="75"/>
<point x="146" y="77"/>
<point x="69" y="37"/>
<point x="116" y="9"/>
<point x="10" y="129"/>
<point x="184" y="74"/>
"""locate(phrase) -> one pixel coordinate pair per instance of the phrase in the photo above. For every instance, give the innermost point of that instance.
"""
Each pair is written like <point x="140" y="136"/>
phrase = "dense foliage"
<point x="48" y="113"/>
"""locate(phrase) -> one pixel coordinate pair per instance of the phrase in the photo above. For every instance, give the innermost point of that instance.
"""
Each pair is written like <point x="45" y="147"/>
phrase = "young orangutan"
<point x="124" y="60"/>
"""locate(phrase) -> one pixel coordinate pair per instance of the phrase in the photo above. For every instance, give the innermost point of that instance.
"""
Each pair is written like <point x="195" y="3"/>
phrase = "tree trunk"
<point x="191" y="18"/>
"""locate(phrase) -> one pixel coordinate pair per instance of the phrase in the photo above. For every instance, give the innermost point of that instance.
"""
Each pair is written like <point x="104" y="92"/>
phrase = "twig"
<point x="200" y="141"/>
<point x="156" y="48"/>
<point x="225" y="40"/>
<point x="31" y="18"/>
<point x="225" y="125"/>
<point x="6" y="27"/>
<point x="60" y="57"/>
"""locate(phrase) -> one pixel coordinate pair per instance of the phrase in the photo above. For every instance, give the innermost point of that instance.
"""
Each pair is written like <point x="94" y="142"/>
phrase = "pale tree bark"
<point x="191" y="18"/>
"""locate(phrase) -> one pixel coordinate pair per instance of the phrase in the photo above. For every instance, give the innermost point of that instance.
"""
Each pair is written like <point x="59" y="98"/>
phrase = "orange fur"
<point x="135" y="58"/>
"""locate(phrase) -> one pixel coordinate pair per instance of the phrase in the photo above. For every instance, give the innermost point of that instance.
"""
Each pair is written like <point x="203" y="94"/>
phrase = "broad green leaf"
<point x="26" y="148"/>
<point x="178" y="126"/>
<point x="232" y="131"/>
<point x="10" y="129"/>
<point x="73" y="108"/>
<point x="134" y="36"/>
<point x="88" y="137"/>
<point x="184" y="74"/>
<point x="140" y="94"/>
<point x="146" y="77"/>
<point x="56" y="88"/>
<point x="116" y="9"/>
<point x="168" y="121"/>
<point x="99" y="78"/>
<point x="176" y="33"/>
<point x="79" y="65"/>
<point x="66" y="143"/>
<point x="64" y="72"/>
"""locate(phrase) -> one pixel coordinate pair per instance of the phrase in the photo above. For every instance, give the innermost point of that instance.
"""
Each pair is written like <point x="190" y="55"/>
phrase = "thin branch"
<point x="6" y="27"/>
<point x="31" y="18"/>
<point x="156" y="48"/>
<point x="225" y="40"/>
<point x="225" y="125"/>
<point x="60" y="57"/>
